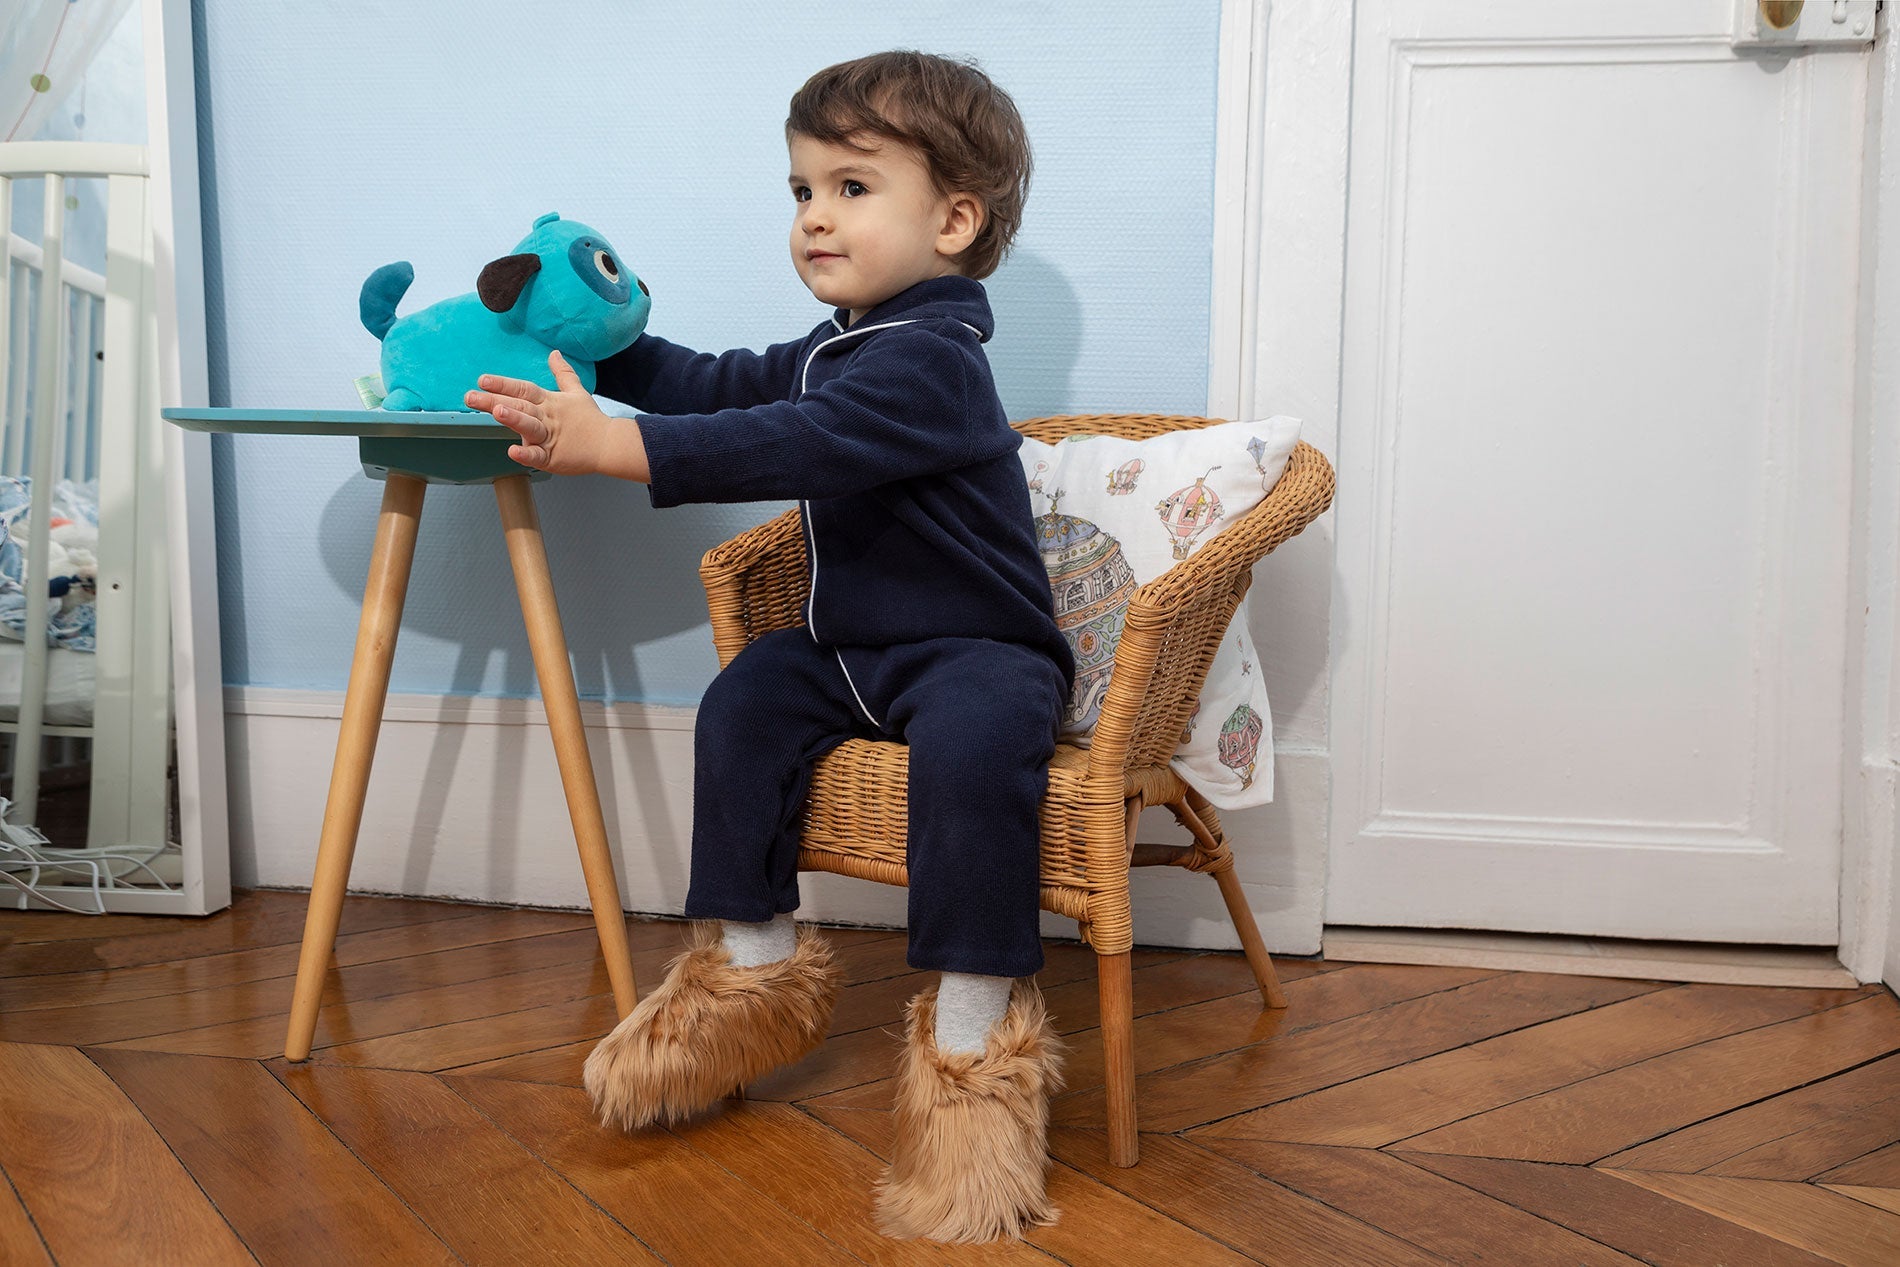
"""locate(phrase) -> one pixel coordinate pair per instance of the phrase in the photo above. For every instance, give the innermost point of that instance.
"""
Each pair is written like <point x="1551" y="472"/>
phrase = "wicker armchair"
<point x="854" y="821"/>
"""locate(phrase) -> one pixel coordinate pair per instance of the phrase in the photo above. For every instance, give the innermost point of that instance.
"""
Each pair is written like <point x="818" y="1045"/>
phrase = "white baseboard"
<point x="465" y="802"/>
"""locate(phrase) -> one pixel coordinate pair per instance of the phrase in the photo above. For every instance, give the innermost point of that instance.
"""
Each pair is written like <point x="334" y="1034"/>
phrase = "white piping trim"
<point x="854" y="690"/>
<point x="811" y="548"/>
<point x="805" y="377"/>
<point x="804" y="507"/>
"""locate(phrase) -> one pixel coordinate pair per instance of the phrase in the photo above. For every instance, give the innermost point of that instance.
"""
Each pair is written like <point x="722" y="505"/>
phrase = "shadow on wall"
<point x="625" y="575"/>
<point x="1038" y="336"/>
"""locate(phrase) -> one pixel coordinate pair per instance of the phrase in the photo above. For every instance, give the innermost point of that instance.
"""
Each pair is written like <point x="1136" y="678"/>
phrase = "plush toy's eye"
<point x="599" y="269"/>
<point x="643" y="288"/>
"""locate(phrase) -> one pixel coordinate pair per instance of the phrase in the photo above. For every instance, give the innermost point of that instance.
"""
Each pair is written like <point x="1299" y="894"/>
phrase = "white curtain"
<point x="45" y="47"/>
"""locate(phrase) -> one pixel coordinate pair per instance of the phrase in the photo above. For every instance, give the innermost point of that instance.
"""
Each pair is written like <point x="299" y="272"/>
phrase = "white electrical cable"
<point x="35" y="893"/>
<point x="21" y="849"/>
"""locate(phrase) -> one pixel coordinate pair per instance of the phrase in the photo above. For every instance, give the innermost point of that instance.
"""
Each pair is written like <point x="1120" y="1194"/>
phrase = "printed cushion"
<point x="1114" y="514"/>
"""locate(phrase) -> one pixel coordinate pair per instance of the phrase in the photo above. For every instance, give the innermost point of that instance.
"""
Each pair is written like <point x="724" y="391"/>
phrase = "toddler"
<point x="929" y="621"/>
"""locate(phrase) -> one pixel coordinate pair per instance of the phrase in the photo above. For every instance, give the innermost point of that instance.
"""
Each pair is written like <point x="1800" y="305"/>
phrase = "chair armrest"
<point x="755" y="583"/>
<point x="1176" y="622"/>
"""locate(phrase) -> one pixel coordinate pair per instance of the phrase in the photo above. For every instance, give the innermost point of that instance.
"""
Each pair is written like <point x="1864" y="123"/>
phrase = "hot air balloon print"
<point x="1092" y="583"/>
<point x="1121" y="480"/>
<point x="1188" y="512"/>
<point x="1187" y="727"/>
<point x="1035" y="477"/>
<point x="1239" y="743"/>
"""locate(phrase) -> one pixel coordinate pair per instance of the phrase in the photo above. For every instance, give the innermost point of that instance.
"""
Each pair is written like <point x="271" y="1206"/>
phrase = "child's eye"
<point x="853" y="188"/>
<point x="801" y="193"/>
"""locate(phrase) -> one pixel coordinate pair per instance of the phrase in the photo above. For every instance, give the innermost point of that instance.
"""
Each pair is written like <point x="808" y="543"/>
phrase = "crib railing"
<point x="68" y="749"/>
<point x="78" y="381"/>
<point x="84" y="300"/>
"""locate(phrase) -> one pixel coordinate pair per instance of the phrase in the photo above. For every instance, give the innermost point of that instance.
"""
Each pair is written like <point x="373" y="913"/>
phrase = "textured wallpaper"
<point x="337" y="137"/>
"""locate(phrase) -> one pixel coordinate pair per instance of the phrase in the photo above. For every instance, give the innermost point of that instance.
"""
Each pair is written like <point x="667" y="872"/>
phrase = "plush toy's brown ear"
<point x="502" y="280"/>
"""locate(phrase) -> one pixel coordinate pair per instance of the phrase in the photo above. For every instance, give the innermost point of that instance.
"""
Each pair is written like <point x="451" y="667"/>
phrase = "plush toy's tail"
<point x="383" y="289"/>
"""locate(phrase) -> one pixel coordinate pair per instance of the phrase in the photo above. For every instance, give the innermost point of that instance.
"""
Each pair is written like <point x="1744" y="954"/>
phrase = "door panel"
<point x="1594" y="450"/>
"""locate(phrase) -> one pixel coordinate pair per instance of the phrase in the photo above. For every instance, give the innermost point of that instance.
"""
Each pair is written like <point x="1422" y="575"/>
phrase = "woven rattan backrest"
<point x="1127" y="426"/>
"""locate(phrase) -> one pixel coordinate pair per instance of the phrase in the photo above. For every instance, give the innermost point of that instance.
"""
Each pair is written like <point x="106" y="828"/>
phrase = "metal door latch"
<point x="1792" y="24"/>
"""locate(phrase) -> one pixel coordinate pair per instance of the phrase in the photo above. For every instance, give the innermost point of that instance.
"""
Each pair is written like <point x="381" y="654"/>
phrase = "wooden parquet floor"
<point x="1391" y="1115"/>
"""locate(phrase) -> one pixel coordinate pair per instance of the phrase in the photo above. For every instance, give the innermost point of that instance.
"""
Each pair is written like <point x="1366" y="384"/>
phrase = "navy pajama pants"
<point x="980" y="719"/>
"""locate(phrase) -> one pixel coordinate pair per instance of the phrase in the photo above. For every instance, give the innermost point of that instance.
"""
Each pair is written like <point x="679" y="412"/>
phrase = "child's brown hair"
<point x="967" y="129"/>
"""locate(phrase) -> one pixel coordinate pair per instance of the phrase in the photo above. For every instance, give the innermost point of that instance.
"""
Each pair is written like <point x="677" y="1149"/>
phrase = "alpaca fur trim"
<point x="970" y="1161"/>
<point x="710" y="1028"/>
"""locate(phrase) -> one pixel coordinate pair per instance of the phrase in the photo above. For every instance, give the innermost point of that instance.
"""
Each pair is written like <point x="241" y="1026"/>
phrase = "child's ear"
<point x="963" y="219"/>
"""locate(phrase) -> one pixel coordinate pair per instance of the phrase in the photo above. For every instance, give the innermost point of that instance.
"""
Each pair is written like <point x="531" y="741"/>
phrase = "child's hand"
<point x="562" y="431"/>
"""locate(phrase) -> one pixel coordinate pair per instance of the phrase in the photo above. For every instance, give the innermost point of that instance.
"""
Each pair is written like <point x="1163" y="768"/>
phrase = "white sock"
<point x="968" y="1006"/>
<point x="754" y="945"/>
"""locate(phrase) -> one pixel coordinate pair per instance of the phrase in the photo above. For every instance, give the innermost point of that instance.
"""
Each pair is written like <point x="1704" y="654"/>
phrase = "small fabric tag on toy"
<point x="370" y="388"/>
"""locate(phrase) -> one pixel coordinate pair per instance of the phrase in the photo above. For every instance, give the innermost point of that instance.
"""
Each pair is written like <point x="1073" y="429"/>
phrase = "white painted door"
<point x="1594" y="473"/>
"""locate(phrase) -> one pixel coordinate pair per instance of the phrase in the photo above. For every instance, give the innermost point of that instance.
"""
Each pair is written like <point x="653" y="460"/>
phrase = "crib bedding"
<point x="72" y="561"/>
<point x="70" y="684"/>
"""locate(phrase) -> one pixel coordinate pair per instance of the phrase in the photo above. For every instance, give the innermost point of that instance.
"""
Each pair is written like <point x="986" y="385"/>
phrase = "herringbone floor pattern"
<point x="1391" y="1115"/>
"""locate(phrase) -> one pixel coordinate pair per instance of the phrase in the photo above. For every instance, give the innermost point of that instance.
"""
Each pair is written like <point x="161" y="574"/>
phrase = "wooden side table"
<point x="408" y="452"/>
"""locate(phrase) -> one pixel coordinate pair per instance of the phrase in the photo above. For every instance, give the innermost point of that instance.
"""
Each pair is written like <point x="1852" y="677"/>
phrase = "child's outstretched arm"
<point x="658" y="377"/>
<point x="562" y="431"/>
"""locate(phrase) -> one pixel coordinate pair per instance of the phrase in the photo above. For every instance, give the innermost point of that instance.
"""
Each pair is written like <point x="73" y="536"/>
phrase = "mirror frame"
<point x="197" y="663"/>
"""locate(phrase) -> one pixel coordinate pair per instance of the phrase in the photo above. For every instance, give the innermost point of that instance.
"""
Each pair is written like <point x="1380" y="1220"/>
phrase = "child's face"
<point x="869" y="224"/>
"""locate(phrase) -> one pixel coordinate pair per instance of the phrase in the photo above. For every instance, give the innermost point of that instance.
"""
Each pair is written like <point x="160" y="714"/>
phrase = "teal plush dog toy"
<point x="562" y="287"/>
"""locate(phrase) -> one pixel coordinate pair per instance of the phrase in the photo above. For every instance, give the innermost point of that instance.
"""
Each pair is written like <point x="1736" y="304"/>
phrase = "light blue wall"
<point x="337" y="137"/>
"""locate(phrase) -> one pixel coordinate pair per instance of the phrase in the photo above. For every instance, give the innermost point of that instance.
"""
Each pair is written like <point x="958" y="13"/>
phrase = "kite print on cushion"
<point x="1113" y="514"/>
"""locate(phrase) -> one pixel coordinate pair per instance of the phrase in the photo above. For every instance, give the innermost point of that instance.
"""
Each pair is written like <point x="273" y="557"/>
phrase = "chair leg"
<point x="1257" y="957"/>
<point x="1115" y="987"/>
<point x="1194" y="814"/>
<point x="535" y="586"/>
<point x="376" y="630"/>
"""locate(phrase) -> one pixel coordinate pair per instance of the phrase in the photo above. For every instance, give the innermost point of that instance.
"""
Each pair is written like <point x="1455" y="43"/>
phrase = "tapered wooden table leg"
<point x="383" y="594"/>
<point x="536" y="588"/>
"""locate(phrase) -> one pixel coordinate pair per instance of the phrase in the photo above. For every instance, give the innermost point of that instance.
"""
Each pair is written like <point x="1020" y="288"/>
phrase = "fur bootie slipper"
<point x="970" y="1160"/>
<point x="710" y="1028"/>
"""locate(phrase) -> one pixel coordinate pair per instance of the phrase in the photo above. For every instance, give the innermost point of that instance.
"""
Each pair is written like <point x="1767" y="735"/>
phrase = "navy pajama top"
<point x="891" y="436"/>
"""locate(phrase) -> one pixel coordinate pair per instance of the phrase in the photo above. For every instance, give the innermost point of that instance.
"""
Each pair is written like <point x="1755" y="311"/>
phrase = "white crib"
<point x="79" y="386"/>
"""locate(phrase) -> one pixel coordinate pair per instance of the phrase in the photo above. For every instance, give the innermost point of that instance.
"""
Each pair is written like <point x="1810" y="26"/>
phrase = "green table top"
<point x="447" y="447"/>
<point x="460" y="424"/>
